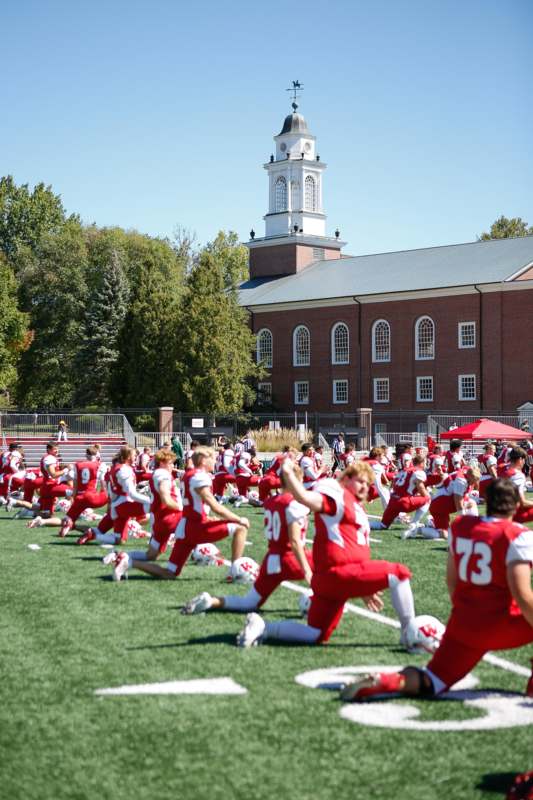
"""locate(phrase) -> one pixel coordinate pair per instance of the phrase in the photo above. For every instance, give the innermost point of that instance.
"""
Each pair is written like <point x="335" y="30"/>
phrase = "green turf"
<point x="67" y="630"/>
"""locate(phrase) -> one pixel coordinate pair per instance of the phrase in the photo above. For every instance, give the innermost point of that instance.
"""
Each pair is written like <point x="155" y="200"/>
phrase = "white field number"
<point x="496" y="709"/>
<point x="481" y="573"/>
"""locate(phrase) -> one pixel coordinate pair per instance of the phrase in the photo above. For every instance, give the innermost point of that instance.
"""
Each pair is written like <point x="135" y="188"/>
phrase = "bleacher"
<point x="74" y="450"/>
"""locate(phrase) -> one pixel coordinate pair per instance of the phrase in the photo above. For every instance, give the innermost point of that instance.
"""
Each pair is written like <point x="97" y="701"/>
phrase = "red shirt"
<point x="481" y="550"/>
<point x="280" y="511"/>
<point x="341" y="528"/>
<point x="158" y="507"/>
<point x="86" y="476"/>
<point x="193" y="506"/>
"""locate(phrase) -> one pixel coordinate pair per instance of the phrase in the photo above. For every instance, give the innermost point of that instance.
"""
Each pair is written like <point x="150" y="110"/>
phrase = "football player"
<point x="489" y="582"/>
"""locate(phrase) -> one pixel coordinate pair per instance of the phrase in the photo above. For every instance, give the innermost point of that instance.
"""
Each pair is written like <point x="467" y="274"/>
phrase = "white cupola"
<point x="295" y="182"/>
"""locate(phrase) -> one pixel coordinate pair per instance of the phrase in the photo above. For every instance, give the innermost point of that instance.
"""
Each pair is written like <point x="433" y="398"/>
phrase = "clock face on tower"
<point x="307" y="147"/>
<point x="283" y="147"/>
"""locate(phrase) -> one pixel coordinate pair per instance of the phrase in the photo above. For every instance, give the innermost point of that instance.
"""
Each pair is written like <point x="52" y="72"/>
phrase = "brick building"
<point x="430" y="330"/>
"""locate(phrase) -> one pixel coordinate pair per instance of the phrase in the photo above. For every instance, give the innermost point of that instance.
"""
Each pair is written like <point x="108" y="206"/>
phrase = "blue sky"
<point x="155" y="114"/>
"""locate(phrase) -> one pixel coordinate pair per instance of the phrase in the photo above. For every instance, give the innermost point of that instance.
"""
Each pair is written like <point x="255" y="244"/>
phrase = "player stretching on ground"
<point x="342" y="565"/>
<point x="489" y="581"/>
<point x="195" y="527"/>
<point x="87" y="475"/>
<point x="286" y="558"/>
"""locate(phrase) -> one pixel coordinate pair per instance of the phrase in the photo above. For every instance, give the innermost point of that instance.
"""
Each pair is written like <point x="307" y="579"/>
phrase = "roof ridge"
<point x="438" y="247"/>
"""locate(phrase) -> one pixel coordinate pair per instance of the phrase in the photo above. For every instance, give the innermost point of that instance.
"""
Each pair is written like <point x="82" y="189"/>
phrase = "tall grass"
<point x="272" y="441"/>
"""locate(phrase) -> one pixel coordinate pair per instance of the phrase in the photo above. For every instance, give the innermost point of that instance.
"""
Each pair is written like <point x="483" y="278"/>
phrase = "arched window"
<point x="381" y="340"/>
<point x="281" y="194"/>
<point x="424" y="339"/>
<point x="295" y="196"/>
<point x="310" y="193"/>
<point x="264" y="348"/>
<point x="340" y="344"/>
<point x="301" y="347"/>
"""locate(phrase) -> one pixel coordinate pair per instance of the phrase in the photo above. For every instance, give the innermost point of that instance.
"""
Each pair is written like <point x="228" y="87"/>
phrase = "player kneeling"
<point x="489" y="581"/>
<point x="195" y="527"/>
<point x="342" y="567"/>
<point x="286" y="559"/>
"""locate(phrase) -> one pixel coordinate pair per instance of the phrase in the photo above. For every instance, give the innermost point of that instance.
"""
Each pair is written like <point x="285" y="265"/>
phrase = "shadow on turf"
<point x="499" y="782"/>
<point x="229" y="638"/>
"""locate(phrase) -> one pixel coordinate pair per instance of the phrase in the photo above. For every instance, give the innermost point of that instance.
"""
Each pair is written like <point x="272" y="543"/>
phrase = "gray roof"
<point x="491" y="261"/>
<point x="294" y="123"/>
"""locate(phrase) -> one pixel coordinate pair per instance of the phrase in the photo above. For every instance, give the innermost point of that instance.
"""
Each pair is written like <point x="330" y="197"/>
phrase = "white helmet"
<point x="424" y="634"/>
<point x="63" y="505"/>
<point x="135" y="529"/>
<point x="244" y="570"/>
<point x="207" y="555"/>
<point x="304" y="603"/>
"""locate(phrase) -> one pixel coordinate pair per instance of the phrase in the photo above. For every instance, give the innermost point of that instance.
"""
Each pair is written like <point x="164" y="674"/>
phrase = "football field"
<point x="252" y="724"/>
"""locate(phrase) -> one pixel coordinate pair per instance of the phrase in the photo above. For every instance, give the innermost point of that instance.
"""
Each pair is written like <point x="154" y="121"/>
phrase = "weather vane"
<point x="296" y="88"/>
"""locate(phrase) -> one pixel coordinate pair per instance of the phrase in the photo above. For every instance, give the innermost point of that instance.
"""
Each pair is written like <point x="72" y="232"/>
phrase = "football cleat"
<point x="373" y="686"/>
<point x="120" y="566"/>
<point x="88" y="536"/>
<point x="66" y="526"/>
<point x="253" y="631"/>
<point x="11" y="504"/>
<point x="38" y="522"/>
<point x="110" y="558"/>
<point x="411" y="532"/>
<point x="3" y="501"/>
<point x="199" y="604"/>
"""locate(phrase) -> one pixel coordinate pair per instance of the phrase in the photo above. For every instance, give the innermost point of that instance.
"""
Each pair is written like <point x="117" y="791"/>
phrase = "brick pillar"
<point x="364" y="420"/>
<point x="166" y="414"/>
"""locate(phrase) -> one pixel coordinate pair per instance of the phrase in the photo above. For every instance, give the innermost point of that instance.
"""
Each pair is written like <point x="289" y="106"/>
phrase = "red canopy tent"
<point x="485" y="429"/>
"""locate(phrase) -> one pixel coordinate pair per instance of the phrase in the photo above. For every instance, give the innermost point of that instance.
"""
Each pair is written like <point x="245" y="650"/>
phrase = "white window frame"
<point x="280" y="194"/>
<point x="375" y="358"/>
<point x="460" y="387"/>
<point x="460" y="329"/>
<point x="310" y="192"/>
<point x="334" y="358"/>
<point x="267" y="362"/>
<point x="298" y="402"/>
<point x="419" y="379"/>
<point x="419" y="321"/>
<point x="336" y="384"/>
<point x="295" y="333"/>
<point x="264" y="388"/>
<point x="375" y="394"/>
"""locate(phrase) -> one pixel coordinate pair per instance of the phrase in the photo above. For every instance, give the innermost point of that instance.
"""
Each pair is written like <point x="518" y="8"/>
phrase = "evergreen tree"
<point x="102" y="326"/>
<point x="14" y="337"/>
<point x="215" y="363"/>
<point x="53" y="291"/>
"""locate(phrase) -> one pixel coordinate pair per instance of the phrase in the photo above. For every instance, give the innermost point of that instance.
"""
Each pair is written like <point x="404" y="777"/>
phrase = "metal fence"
<point x="387" y="439"/>
<point x="78" y="425"/>
<point x="440" y="423"/>
<point x="241" y="423"/>
<point x="155" y="440"/>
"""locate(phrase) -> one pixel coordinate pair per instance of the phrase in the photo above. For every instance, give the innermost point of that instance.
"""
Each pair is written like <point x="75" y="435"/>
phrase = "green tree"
<point x="104" y="316"/>
<point x="145" y="373"/>
<point x="504" y="228"/>
<point x="14" y="336"/>
<point x="215" y="363"/>
<point x="25" y="216"/>
<point x="231" y="256"/>
<point x="53" y="291"/>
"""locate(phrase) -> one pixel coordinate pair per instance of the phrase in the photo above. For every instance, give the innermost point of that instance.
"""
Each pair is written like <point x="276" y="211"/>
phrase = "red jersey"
<point x="275" y="467"/>
<point x="455" y="460"/>
<point x="400" y="484"/>
<point x="341" y="529"/>
<point x="194" y="507"/>
<point x="454" y="483"/>
<point x="482" y="548"/>
<point x="514" y="475"/>
<point x="485" y="462"/>
<point x="86" y="476"/>
<point x="280" y="511"/>
<point x="158" y="508"/>
<point x="116" y="487"/>
<point x="437" y="460"/>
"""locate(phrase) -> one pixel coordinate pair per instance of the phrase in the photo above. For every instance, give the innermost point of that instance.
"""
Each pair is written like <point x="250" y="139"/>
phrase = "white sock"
<point x="429" y="533"/>
<point x="289" y="631"/>
<point x="138" y="555"/>
<point x="402" y="599"/>
<point x="249" y="602"/>
<point x="420" y="512"/>
<point x="104" y="538"/>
